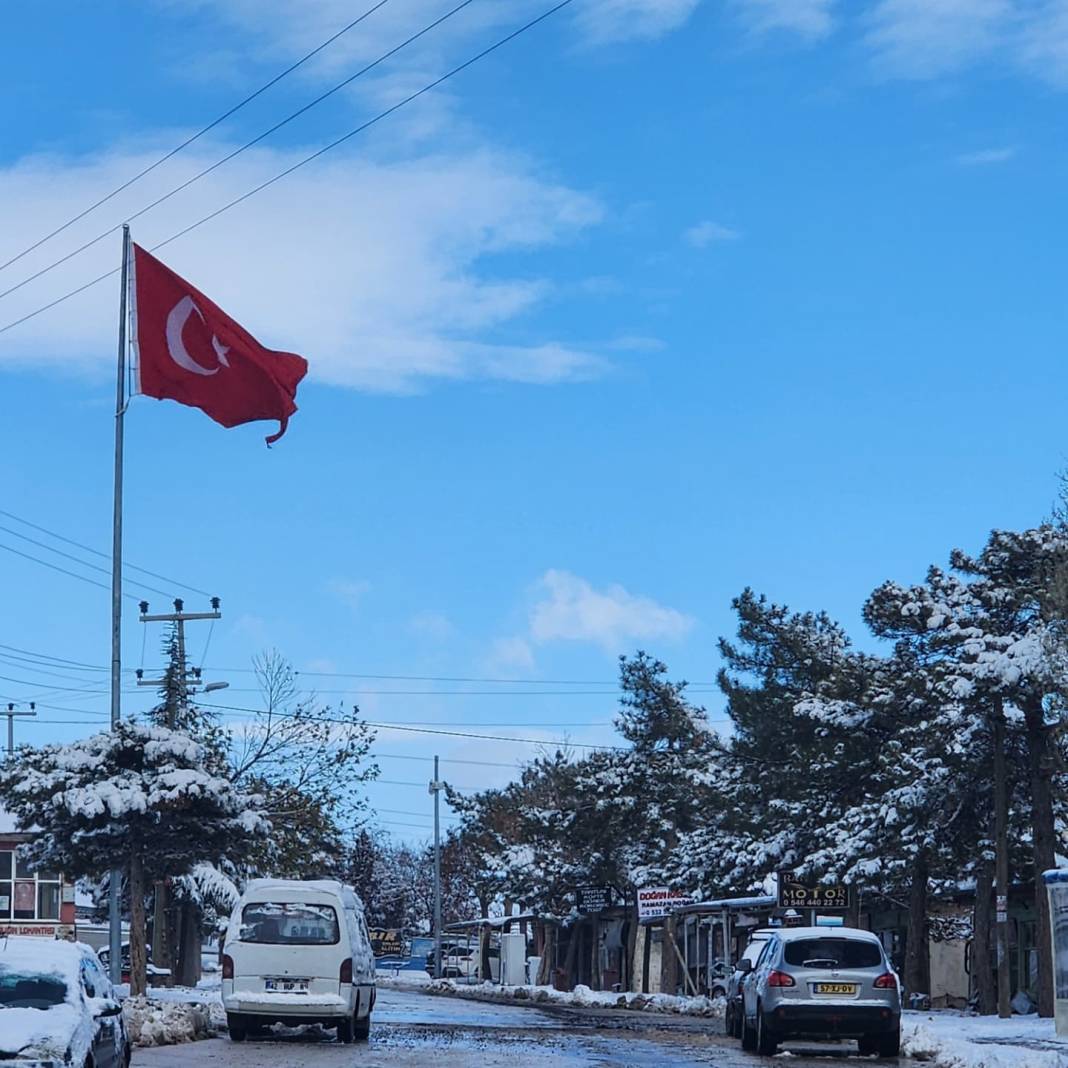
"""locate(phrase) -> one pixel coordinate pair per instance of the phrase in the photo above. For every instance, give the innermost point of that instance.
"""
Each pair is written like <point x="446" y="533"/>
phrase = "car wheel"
<point x="362" y="1028"/>
<point x="718" y="992"/>
<point x="767" y="1044"/>
<point x="236" y="1026"/>
<point x="889" y="1045"/>
<point x="345" y="1030"/>
<point x="728" y="1020"/>
<point x="749" y="1035"/>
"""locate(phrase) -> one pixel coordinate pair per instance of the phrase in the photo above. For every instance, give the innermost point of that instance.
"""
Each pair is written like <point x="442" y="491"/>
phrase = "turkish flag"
<point x="189" y="350"/>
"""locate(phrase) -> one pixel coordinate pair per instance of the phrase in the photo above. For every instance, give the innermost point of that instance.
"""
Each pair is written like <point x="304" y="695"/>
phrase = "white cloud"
<point x="926" y="38"/>
<point x="572" y="610"/>
<point x="986" y="156"/>
<point x="618" y="20"/>
<point x="707" y="233"/>
<point x="510" y="653"/>
<point x="370" y="269"/>
<point x="809" y="18"/>
<point x="348" y="591"/>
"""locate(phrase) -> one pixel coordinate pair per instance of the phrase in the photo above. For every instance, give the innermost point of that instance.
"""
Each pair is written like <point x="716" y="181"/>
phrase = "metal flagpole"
<point x="435" y="789"/>
<point x="115" y="888"/>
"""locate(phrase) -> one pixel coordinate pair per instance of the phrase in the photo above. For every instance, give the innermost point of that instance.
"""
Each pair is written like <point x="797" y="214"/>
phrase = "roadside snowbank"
<point x="956" y="1040"/>
<point x="581" y="997"/>
<point x="166" y="1023"/>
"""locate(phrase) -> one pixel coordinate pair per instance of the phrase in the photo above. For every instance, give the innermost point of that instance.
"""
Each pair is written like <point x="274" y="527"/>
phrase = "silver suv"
<point x="822" y="982"/>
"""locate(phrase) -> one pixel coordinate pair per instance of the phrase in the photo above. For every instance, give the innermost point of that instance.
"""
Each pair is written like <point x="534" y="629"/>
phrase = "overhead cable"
<point x="195" y="137"/>
<point x="296" y="166"/>
<point x="231" y="155"/>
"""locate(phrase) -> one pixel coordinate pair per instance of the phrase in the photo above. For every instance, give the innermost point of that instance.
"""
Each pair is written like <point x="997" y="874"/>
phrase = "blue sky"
<point x="668" y="298"/>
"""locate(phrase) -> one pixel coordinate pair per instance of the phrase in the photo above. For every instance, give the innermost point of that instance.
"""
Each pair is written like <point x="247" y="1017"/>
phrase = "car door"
<point x="106" y="1029"/>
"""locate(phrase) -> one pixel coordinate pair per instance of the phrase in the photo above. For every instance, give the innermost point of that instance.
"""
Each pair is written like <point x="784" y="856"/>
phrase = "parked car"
<point x="57" y="1007"/>
<point x="822" y="982"/>
<point x="105" y="960"/>
<point x="447" y="949"/>
<point x="733" y="1019"/>
<point x="298" y="953"/>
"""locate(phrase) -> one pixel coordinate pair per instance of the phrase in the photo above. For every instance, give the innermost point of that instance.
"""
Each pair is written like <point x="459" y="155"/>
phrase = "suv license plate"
<point x="287" y="986"/>
<point x="836" y="988"/>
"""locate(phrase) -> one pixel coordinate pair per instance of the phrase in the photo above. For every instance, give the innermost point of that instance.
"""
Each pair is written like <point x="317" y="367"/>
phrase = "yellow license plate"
<point x="836" y="988"/>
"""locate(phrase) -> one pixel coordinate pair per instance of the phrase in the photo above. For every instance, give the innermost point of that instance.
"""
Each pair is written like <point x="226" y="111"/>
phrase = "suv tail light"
<point x="345" y="975"/>
<point x="886" y="981"/>
<point x="777" y="978"/>
<point x="228" y="966"/>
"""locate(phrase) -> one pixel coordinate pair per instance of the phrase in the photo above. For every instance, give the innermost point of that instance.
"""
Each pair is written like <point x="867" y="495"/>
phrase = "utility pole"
<point x="189" y="681"/>
<point x="1001" y="861"/>
<point x="11" y="713"/>
<point x="435" y="788"/>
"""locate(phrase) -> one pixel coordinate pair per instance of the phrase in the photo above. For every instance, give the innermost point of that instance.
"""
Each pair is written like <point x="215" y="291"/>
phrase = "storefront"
<point x="31" y="902"/>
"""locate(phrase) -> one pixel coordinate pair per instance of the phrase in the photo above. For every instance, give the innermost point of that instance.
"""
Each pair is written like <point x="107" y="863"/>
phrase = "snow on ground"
<point x="956" y="1040"/>
<point x="582" y="997"/>
<point x="166" y="1023"/>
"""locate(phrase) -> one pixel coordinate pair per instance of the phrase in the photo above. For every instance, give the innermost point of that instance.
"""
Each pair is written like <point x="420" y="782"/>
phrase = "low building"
<point x="32" y="902"/>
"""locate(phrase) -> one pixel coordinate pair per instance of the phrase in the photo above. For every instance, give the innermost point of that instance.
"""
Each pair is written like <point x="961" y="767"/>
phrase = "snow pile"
<point x="584" y="997"/>
<point x="157" y="1023"/>
<point x="955" y="1040"/>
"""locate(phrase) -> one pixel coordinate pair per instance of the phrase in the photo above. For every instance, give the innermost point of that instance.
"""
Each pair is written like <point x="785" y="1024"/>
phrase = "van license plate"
<point x="287" y="986"/>
<point x="836" y="988"/>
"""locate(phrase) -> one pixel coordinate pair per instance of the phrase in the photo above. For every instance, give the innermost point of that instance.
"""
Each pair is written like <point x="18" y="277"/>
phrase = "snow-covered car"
<point x="298" y="953"/>
<point x="57" y="1007"/>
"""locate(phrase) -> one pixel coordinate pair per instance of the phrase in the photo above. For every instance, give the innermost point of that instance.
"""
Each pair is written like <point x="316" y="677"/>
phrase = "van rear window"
<point x="289" y="923"/>
<point x="833" y="953"/>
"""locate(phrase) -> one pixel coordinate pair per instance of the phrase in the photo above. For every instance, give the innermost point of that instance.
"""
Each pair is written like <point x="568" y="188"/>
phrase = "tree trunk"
<point x="982" y="941"/>
<point x="917" y="946"/>
<point x="1043" y="837"/>
<point x="669" y="965"/>
<point x="187" y="945"/>
<point x="138" y="962"/>
<point x="575" y="937"/>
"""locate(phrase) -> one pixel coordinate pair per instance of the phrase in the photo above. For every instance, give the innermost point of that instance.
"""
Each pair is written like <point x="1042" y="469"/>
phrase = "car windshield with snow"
<point x="57" y="1007"/>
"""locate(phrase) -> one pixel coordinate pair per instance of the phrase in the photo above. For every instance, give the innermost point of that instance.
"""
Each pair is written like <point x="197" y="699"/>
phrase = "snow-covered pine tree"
<point x="137" y="797"/>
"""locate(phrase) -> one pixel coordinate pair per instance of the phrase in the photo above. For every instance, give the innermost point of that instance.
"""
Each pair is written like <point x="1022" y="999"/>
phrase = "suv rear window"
<point x="833" y="953"/>
<point x="289" y="923"/>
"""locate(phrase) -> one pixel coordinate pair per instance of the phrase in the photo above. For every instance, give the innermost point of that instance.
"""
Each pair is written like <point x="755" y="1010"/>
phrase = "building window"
<point x="26" y="894"/>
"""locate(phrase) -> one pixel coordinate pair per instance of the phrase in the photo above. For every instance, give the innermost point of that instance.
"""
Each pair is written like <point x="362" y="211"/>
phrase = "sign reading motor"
<point x="795" y="894"/>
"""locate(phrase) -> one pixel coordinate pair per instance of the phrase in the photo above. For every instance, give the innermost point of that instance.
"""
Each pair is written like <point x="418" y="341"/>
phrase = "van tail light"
<point x="886" y="981"/>
<point x="777" y="978"/>
<point x="345" y="976"/>
<point x="228" y="966"/>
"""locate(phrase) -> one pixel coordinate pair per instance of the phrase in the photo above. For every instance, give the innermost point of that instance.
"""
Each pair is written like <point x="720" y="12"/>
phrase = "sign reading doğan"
<point x="795" y="894"/>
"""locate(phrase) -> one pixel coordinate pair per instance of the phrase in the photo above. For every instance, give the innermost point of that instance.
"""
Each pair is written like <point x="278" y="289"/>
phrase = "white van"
<point x="298" y="953"/>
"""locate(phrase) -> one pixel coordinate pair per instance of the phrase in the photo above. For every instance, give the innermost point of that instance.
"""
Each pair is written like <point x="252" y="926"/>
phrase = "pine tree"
<point x="137" y="796"/>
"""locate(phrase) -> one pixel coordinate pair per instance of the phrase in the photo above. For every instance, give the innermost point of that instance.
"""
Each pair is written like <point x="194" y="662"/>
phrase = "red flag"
<point x="189" y="350"/>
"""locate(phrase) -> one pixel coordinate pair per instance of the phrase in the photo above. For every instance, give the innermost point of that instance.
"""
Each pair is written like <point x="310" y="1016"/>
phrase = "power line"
<point x="57" y="659"/>
<point x="423" y="730"/>
<point x="307" y="159"/>
<point x="236" y="152"/>
<point x="61" y="570"/>
<point x="419" y="815"/>
<point x="200" y="133"/>
<point x="77" y="560"/>
<point x="97" y="552"/>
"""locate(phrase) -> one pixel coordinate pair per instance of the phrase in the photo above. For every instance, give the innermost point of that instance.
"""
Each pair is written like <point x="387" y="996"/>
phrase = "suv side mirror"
<point x="107" y="1007"/>
<point x="745" y="966"/>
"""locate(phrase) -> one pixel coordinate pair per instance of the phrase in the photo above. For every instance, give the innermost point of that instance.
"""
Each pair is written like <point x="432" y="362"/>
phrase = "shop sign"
<point x="386" y="943"/>
<point x="795" y="894"/>
<point x="596" y="898"/>
<point x="656" y="901"/>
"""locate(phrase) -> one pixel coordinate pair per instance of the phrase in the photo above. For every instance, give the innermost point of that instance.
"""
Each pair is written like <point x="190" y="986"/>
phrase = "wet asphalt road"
<point x="416" y="1029"/>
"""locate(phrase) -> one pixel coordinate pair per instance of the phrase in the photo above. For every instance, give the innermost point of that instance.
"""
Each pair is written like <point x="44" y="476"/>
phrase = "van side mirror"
<point x="745" y="966"/>
<point x="106" y="1007"/>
